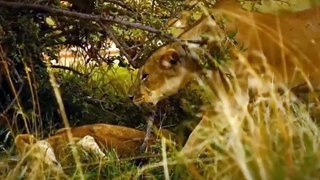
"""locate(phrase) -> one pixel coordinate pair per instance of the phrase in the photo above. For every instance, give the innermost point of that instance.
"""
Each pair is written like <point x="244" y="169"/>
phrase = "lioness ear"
<point x="170" y="58"/>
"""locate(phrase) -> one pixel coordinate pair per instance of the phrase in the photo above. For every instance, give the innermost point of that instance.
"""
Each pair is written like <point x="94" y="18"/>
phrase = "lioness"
<point x="283" y="48"/>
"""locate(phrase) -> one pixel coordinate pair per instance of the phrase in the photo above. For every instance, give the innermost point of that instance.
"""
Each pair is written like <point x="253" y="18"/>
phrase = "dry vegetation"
<point x="274" y="136"/>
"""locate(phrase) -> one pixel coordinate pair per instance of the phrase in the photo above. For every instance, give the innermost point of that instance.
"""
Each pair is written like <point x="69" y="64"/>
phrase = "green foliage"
<point x="101" y="97"/>
<point x="30" y="36"/>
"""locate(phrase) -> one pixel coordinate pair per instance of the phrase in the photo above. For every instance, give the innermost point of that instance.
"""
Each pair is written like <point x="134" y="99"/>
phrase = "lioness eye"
<point x="173" y="62"/>
<point x="144" y="77"/>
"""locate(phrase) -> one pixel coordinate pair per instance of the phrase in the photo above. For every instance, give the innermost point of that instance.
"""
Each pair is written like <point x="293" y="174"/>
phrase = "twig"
<point x="121" y="4"/>
<point x="117" y="43"/>
<point x="84" y="16"/>
<point x="150" y="120"/>
<point x="13" y="101"/>
<point x="67" y="68"/>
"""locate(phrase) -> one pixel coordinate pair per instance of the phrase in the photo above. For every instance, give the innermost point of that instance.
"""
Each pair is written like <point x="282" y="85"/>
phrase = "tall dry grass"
<point x="272" y="136"/>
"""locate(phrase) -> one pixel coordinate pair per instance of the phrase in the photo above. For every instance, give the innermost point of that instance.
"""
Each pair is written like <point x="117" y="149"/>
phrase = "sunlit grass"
<point x="272" y="137"/>
<point x="275" y="139"/>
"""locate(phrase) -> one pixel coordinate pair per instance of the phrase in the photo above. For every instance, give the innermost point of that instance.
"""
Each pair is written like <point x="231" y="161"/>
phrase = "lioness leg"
<point x="197" y="140"/>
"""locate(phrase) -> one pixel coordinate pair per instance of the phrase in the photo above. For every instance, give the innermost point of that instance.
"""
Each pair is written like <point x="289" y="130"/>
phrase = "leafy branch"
<point x="83" y="16"/>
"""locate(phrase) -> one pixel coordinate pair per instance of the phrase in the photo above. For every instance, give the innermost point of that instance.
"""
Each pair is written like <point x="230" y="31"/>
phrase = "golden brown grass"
<point x="274" y="136"/>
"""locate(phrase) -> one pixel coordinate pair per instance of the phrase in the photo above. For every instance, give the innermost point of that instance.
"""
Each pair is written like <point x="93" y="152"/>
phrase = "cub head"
<point x="38" y="151"/>
<point x="165" y="72"/>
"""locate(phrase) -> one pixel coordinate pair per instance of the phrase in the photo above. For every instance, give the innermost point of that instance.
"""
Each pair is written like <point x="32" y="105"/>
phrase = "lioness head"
<point x="165" y="72"/>
<point x="171" y="67"/>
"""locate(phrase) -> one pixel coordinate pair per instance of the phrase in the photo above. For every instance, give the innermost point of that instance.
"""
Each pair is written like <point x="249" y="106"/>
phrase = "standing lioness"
<point x="285" y="48"/>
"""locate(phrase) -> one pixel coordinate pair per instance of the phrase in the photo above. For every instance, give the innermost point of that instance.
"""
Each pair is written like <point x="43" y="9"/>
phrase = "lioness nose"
<point x="130" y="96"/>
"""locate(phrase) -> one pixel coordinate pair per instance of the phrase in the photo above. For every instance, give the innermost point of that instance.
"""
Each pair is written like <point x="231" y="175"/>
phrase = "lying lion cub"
<point x="95" y="139"/>
<point x="281" y="49"/>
